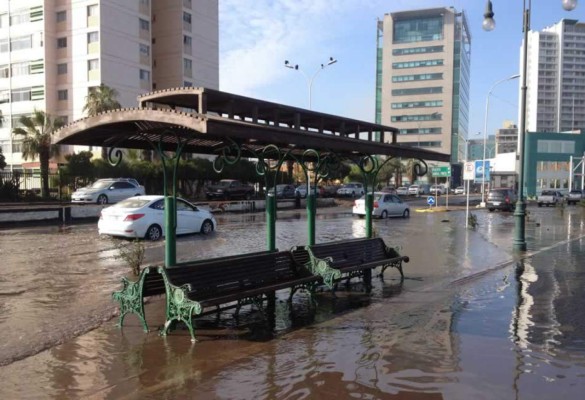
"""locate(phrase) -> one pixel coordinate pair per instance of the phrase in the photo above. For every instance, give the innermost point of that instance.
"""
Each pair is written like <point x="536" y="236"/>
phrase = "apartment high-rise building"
<point x="423" y="78"/>
<point x="507" y="138"/>
<point x="555" y="97"/>
<point x="52" y="52"/>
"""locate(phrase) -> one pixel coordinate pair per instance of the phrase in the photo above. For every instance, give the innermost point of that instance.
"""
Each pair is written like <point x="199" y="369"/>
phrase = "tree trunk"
<point x="44" y="161"/>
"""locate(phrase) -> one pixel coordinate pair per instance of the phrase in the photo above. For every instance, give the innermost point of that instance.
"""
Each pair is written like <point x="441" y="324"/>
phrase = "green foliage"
<point x="79" y="165"/>
<point x="10" y="188"/>
<point x="472" y="221"/>
<point x="132" y="253"/>
<point x="37" y="131"/>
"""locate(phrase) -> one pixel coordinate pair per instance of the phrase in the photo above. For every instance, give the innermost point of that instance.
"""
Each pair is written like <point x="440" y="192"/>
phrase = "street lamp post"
<point x="520" y="211"/>
<point x="485" y="132"/>
<point x="288" y="64"/>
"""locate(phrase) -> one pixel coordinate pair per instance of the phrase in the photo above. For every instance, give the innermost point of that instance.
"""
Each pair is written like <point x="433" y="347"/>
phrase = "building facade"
<point x="423" y="71"/>
<point x="52" y="52"/>
<point x="555" y="78"/>
<point x="507" y="138"/>
<point x="547" y="162"/>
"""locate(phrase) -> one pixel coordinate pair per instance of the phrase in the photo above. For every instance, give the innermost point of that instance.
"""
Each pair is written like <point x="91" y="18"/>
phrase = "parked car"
<point x="285" y="191"/>
<point x="414" y="190"/>
<point x="330" y="190"/>
<point x="575" y="196"/>
<point x="301" y="191"/>
<point x="437" y="190"/>
<point x="402" y="191"/>
<point x="228" y="189"/>
<point x="549" y="198"/>
<point x="389" y="189"/>
<point x="143" y="217"/>
<point x="501" y="199"/>
<point x="460" y="190"/>
<point x="351" y="189"/>
<point x="105" y="191"/>
<point x="385" y="205"/>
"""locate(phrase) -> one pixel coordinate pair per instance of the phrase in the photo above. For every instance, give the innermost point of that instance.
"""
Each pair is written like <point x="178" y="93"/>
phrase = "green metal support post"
<point x="170" y="240"/>
<point x="311" y="216"/>
<point x="369" y="209"/>
<point x="271" y="220"/>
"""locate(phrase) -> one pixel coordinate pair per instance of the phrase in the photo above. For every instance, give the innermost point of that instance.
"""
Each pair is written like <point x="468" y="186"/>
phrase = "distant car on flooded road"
<point x="143" y="217"/>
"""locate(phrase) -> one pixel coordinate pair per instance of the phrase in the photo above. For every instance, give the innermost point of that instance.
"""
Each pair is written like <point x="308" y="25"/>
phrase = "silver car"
<point x="106" y="191"/>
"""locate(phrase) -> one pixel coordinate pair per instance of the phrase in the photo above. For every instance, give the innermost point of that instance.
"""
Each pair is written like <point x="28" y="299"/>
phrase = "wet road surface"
<point x="469" y="321"/>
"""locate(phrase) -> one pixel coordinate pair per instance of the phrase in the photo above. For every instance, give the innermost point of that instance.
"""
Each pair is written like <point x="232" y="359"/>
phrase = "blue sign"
<point x="479" y="171"/>
<point x="430" y="200"/>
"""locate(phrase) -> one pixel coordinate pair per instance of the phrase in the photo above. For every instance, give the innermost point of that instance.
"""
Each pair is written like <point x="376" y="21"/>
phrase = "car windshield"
<point x="100" y="184"/>
<point x="547" y="193"/>
<point x="224" y="183"/>
<point x="576" y="191"/>
<point x="132" y="203"/>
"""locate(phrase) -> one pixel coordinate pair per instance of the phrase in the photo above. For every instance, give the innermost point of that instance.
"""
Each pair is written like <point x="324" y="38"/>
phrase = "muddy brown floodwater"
<point x="471" y="320"/>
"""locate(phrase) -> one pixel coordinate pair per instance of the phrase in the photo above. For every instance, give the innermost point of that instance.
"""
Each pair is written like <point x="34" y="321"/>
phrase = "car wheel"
<point x="406" y="213"/>
<point x="154" y="233"/>
<point x="384" y="214"/>
<point x="491" y="209"/>
<point x="206" y="227"/>
<point x="361" y="216"/>
<point x="540" y="204"/>
<point x="352" y="194"/>
<point x="102" y="199"/>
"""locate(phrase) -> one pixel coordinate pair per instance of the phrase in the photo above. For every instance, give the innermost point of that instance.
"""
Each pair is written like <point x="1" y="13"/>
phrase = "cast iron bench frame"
<point x="347" y="259"/>
<point x="232" y="281"/>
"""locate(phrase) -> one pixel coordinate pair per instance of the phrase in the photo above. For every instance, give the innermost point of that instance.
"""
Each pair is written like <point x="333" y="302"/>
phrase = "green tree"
<point x="98" y="100"/>
<point x="37" y="131"/>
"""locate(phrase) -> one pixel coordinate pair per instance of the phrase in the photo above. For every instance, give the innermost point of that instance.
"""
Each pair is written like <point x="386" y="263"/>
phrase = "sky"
<point x="257" y="36"/>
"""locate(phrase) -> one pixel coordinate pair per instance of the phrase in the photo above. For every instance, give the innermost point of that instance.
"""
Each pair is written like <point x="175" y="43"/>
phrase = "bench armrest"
<point x="322" y="267"/>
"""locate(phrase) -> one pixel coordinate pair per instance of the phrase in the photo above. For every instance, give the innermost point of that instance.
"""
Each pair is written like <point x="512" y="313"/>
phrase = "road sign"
<point x="479" y="171"/>
<point x="430" y="200"/>
<point x="469" y="171"/>
<point x="441" y="172"/>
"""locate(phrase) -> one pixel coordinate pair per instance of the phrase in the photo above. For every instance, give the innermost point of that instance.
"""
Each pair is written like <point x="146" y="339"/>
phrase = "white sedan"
<point x="143" y="217"/>
<point x="385" y="205"/>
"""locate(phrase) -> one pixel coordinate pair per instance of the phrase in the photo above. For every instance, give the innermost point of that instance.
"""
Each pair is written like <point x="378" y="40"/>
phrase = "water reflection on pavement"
<point x="470" y="321"/>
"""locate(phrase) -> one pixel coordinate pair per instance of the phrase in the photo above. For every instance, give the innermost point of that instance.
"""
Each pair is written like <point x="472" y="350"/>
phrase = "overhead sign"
<point x="469" y="171"/>
<point x="430" y="200"/>
<point x="441" y="172"/>
<point x="482" y="166"/>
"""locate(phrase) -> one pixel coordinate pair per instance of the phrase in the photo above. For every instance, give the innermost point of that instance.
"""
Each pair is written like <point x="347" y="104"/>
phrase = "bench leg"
<point x="130" y="304"/>
<point x="367" y="278"/>
<point x="271" y="310"/>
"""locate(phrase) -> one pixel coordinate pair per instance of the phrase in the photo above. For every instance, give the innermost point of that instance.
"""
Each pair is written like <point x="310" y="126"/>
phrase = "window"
<point x="20" y="18"/>
<point x="144" y="75"/>
<point x="93" y="37"/>
<point x="62" y="94"/>
<point x="186" y="17"/>
<point x="4" y="96"/>
<point x="417" y="50"/>
<point x="61" y="43"/>
<point x="93" y="65"/>
<point x="21" y="43"/>
<point x="61" y="16"/>
<point x="418" y="29"/>
<point x="418" y="77"/>
<point x="4" y="71"/>
<point x="144" y="3"/>
<point x="61" y="69"/>
<point x="3" y="20"/>
<point x="187" y="40"/>
<point x="187" y="66"/>
<point x="22" y="68"/>
<point x="92" y="11"/>
<point x="144" y="50"/>
<point x="4" y="46"/>
<point x="22" y="94"/>
<point x="187" y="84"/>
<point x="417" y="64"/>
<point x="144" y="24"/>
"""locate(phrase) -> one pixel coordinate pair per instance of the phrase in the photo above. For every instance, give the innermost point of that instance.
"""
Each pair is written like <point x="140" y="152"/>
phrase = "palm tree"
<point x="101" y="99"/>
<point x="37" y="132"/>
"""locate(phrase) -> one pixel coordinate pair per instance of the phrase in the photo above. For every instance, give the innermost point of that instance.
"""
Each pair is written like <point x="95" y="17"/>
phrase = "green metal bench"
<point x="347" y="259"/>
<point x="151" y="283"/>
<point x="227" y="282"/>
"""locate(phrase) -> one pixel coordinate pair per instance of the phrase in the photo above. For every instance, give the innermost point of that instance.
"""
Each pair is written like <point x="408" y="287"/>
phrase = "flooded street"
<point x="469" y="321"/>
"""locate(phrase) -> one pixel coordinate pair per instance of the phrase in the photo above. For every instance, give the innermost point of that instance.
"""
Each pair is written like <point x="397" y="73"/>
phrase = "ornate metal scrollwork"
<point x="420" y="167"/>
<point x="231" y="153"/>
<point x="114" y="156"/>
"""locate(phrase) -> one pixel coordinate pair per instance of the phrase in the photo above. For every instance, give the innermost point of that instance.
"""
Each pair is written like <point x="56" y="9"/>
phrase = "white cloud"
<point x="256" y="37"/>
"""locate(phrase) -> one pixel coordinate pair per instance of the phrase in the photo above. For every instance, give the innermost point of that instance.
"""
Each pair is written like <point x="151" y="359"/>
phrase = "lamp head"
<point x="569" y="5"/>
<point x="331" y="61"/>
<point x="488" y="18"/>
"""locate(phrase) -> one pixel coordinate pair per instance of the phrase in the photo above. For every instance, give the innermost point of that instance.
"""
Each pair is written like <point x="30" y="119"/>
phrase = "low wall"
<point x="77" y="212"/>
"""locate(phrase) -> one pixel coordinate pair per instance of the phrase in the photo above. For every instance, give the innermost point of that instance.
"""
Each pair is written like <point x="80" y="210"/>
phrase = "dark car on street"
<point x="285" y="191"/>
<point x="501" y="199"/>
